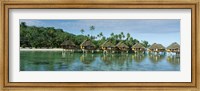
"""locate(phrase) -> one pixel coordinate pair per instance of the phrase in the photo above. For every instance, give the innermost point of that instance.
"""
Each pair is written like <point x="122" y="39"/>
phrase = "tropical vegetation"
<point x="49" y="37"/>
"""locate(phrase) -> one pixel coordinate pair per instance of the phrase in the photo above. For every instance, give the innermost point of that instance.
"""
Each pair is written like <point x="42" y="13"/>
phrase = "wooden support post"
<point x="83" y="50"/>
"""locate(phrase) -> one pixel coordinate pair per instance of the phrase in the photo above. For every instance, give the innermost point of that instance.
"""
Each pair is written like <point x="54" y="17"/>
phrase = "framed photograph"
<point x="100" y="45"/>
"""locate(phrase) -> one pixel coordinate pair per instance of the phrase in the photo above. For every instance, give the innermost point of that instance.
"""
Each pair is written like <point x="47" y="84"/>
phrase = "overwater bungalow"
<point x="122" y="47"/>
<point x="87" y="45"/>
<point x="138" y="48"/>
<point x="174" y="48"/>
<point x="157" y="48"/>
<point x="108" y="47"/>
<point x="68" y="45"/>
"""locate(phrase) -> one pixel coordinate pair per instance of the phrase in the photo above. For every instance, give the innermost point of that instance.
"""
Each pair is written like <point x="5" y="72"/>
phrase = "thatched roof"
<point x="138" y="45"/>
<point x="156" y="46"/>
<point x="121" y="44"/>
<point x="107" y="44"/>
<point x="87" y="43"/>
<point x="174" y="46"/>
<point x="152" y="46"/>
<point x="68" y="43"/>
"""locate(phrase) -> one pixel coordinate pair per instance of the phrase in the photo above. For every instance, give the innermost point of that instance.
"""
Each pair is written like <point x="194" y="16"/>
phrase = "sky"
<point x="163" y="31"/>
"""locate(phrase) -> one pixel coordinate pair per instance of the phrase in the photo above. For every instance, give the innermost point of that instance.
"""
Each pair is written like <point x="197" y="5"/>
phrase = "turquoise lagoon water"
<point x="57" y="61"/>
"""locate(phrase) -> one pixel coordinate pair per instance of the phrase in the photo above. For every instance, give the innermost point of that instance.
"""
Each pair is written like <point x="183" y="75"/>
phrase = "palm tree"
<point x="128" y="36"/>
<point x="112" y="34"/>
<point x="103" y="38"/>
<point x="88" y="35"/>
<point x="122" y="35"/>
<point x="145" y="43"/>
<point x="98" y="36"/>
<point x="116" y="37"/>
<point x="135" y="41"/>
<point x="101" y="35"/>
<point x="82" y="31"/>
<point x="92" y="28"/>
<point x="23" y="24"/>
<point x="112" y="38"/>
<point x="130" y="41"/>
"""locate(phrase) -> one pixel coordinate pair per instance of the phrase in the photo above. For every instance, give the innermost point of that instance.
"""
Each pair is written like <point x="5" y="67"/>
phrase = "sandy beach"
<point x="41" y="49"/>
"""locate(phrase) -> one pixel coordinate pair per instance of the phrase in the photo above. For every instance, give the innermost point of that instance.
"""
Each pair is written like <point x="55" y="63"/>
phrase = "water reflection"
<point x="65" y="62"/>
<point x="107" y="58"/>
<point x="155" y="58"/>
<point x="120" y="60"/>
<point x="57" y="61"/>
<point x="87" y="58"/>
<point x="173" y="59"/>
<point x="139" y="57"/>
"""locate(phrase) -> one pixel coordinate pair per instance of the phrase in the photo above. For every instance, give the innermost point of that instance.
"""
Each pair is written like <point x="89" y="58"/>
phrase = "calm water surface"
<point x="56" y="61"/>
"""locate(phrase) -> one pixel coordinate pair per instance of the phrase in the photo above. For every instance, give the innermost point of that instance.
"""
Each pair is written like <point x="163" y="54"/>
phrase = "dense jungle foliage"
<point x="49" y="37"/>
